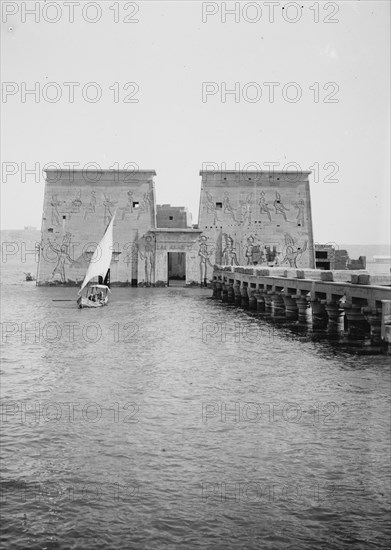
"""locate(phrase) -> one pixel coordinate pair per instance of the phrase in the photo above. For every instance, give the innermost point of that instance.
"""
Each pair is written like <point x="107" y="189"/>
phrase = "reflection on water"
<point x="168" y="420"/>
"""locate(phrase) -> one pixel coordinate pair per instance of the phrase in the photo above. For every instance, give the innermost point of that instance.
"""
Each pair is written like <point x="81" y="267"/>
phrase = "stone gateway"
<point x="244" y="219"/>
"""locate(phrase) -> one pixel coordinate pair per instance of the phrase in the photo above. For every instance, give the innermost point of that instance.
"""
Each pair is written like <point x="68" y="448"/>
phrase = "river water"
<point x="169" y="420"/>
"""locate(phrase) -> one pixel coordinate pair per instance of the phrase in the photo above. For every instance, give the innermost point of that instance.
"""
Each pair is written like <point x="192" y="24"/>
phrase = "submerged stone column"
<point x="214" y="294"/>
<point x="336" y="315"/>
<point x="268" y="301"/>
<point x="252" y="300"/>
<point x="261" y="300"/>
<point x="386" y="322"/>
<point x="278" y="305"/>
<point x="219" y="288"/>
<point x="244" y="296"/>
<point x="357" y="324"/>
<point x="237" y="293"/>
<point x="373" y="317"/>
<point x="291" y="309"/>
<point x="303" y="305"/>
<point x="224" y="292"/>
<point x="319" y="314"/>
<point x="230" y="293"/>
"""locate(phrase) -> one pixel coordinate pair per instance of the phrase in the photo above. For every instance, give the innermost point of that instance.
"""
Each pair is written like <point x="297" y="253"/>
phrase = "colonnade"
<point x="330" y="310"/>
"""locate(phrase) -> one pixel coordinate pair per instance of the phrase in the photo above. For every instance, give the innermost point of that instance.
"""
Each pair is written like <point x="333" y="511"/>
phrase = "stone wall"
<point x="77" y="209"/>
<point x="172" y="216"/>
<point x="255" y="219"/>
<point x="246" y="220"/>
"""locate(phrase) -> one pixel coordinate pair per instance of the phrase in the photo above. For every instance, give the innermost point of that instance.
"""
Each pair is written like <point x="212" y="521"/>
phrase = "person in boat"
<point x="92" y="296"/>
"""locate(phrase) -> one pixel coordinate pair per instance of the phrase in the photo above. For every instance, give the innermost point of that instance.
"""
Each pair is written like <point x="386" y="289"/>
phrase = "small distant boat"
<point x="97" y="295"/>
<point x="29" y="277"/>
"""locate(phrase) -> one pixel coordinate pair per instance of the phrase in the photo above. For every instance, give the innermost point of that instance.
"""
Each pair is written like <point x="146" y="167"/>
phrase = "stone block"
<point x="364" y="279"/>
<point x="277" y="272"/>
<point x="313" y="274"/>
<point x="342" y="276"/>
<point x="326" y="276"/>
<point x="290" y="273"/>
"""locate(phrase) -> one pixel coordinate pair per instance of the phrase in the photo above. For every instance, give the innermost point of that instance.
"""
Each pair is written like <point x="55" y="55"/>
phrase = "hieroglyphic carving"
<point x="211" y="207"/>
<point x="247" y="209"/>
<point x="279" y="206"/>
<point x="128" y="208"/>
<point x="300" y="215"/>
<point x="62" y="253"/>
<point x="227" y="208"/>
<point x="254" y="250"/>
<point x="91" y="206"/>
<point x="249" y="250"/>
<point x="55" y="203"/>
<point x="263" y="206"/>
<point x="76" y="203"/>
<point x="204" y="253"/>
<point x="108" y="204"/>
<point x="147" y="254"/>
<point x="229" y="252"/>
<point x="292" y="251"/>
<point x="146" y="203"/>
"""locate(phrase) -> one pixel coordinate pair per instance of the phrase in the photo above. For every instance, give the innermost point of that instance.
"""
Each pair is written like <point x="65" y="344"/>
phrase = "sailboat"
<point x="97" y="295"/>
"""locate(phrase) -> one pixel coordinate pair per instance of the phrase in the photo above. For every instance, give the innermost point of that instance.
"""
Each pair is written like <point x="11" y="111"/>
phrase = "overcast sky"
<point x="330" y="109"/>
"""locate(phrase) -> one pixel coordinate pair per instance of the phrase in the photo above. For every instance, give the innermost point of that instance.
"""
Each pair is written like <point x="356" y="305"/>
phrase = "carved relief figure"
<point x="247" y="209"/>
<point x="249" y="252"/>
<point x="148" y="255"/>
<point x="227" y="208"/>
<point x="91" y="206"/>
<point x="242" y="211"/>
<point x="279" y="206"/>
<point x="263" y="206"/>
<point x="291" y="251"/>
<point x="146" y="203"/>
<point x="229" y="253"/>
<point x="211" y="206"/>
<point x="108" y="204"/>
<point x="55" y="203"/>
<point x="62" y="252"/>
<point x="76" y="203"/>
<point x="300" y="215"/>
<point x="264" y="255"/>
<point x="128" y="208"/>
<point x="204" y="255"/>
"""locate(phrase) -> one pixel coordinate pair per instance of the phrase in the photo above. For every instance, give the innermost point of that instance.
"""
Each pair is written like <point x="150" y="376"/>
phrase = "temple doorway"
<point x="176" y="262"/>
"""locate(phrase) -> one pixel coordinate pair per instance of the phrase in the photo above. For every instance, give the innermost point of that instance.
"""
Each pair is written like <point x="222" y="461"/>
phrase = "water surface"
<point x="169" y="420"/>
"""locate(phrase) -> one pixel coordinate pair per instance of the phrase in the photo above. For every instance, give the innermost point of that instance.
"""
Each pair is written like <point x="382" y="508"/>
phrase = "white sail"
<point x="101" y="259"/>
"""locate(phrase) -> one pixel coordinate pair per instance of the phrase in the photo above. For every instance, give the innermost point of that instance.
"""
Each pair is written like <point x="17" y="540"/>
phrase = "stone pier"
<point x="336" y="302"/>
